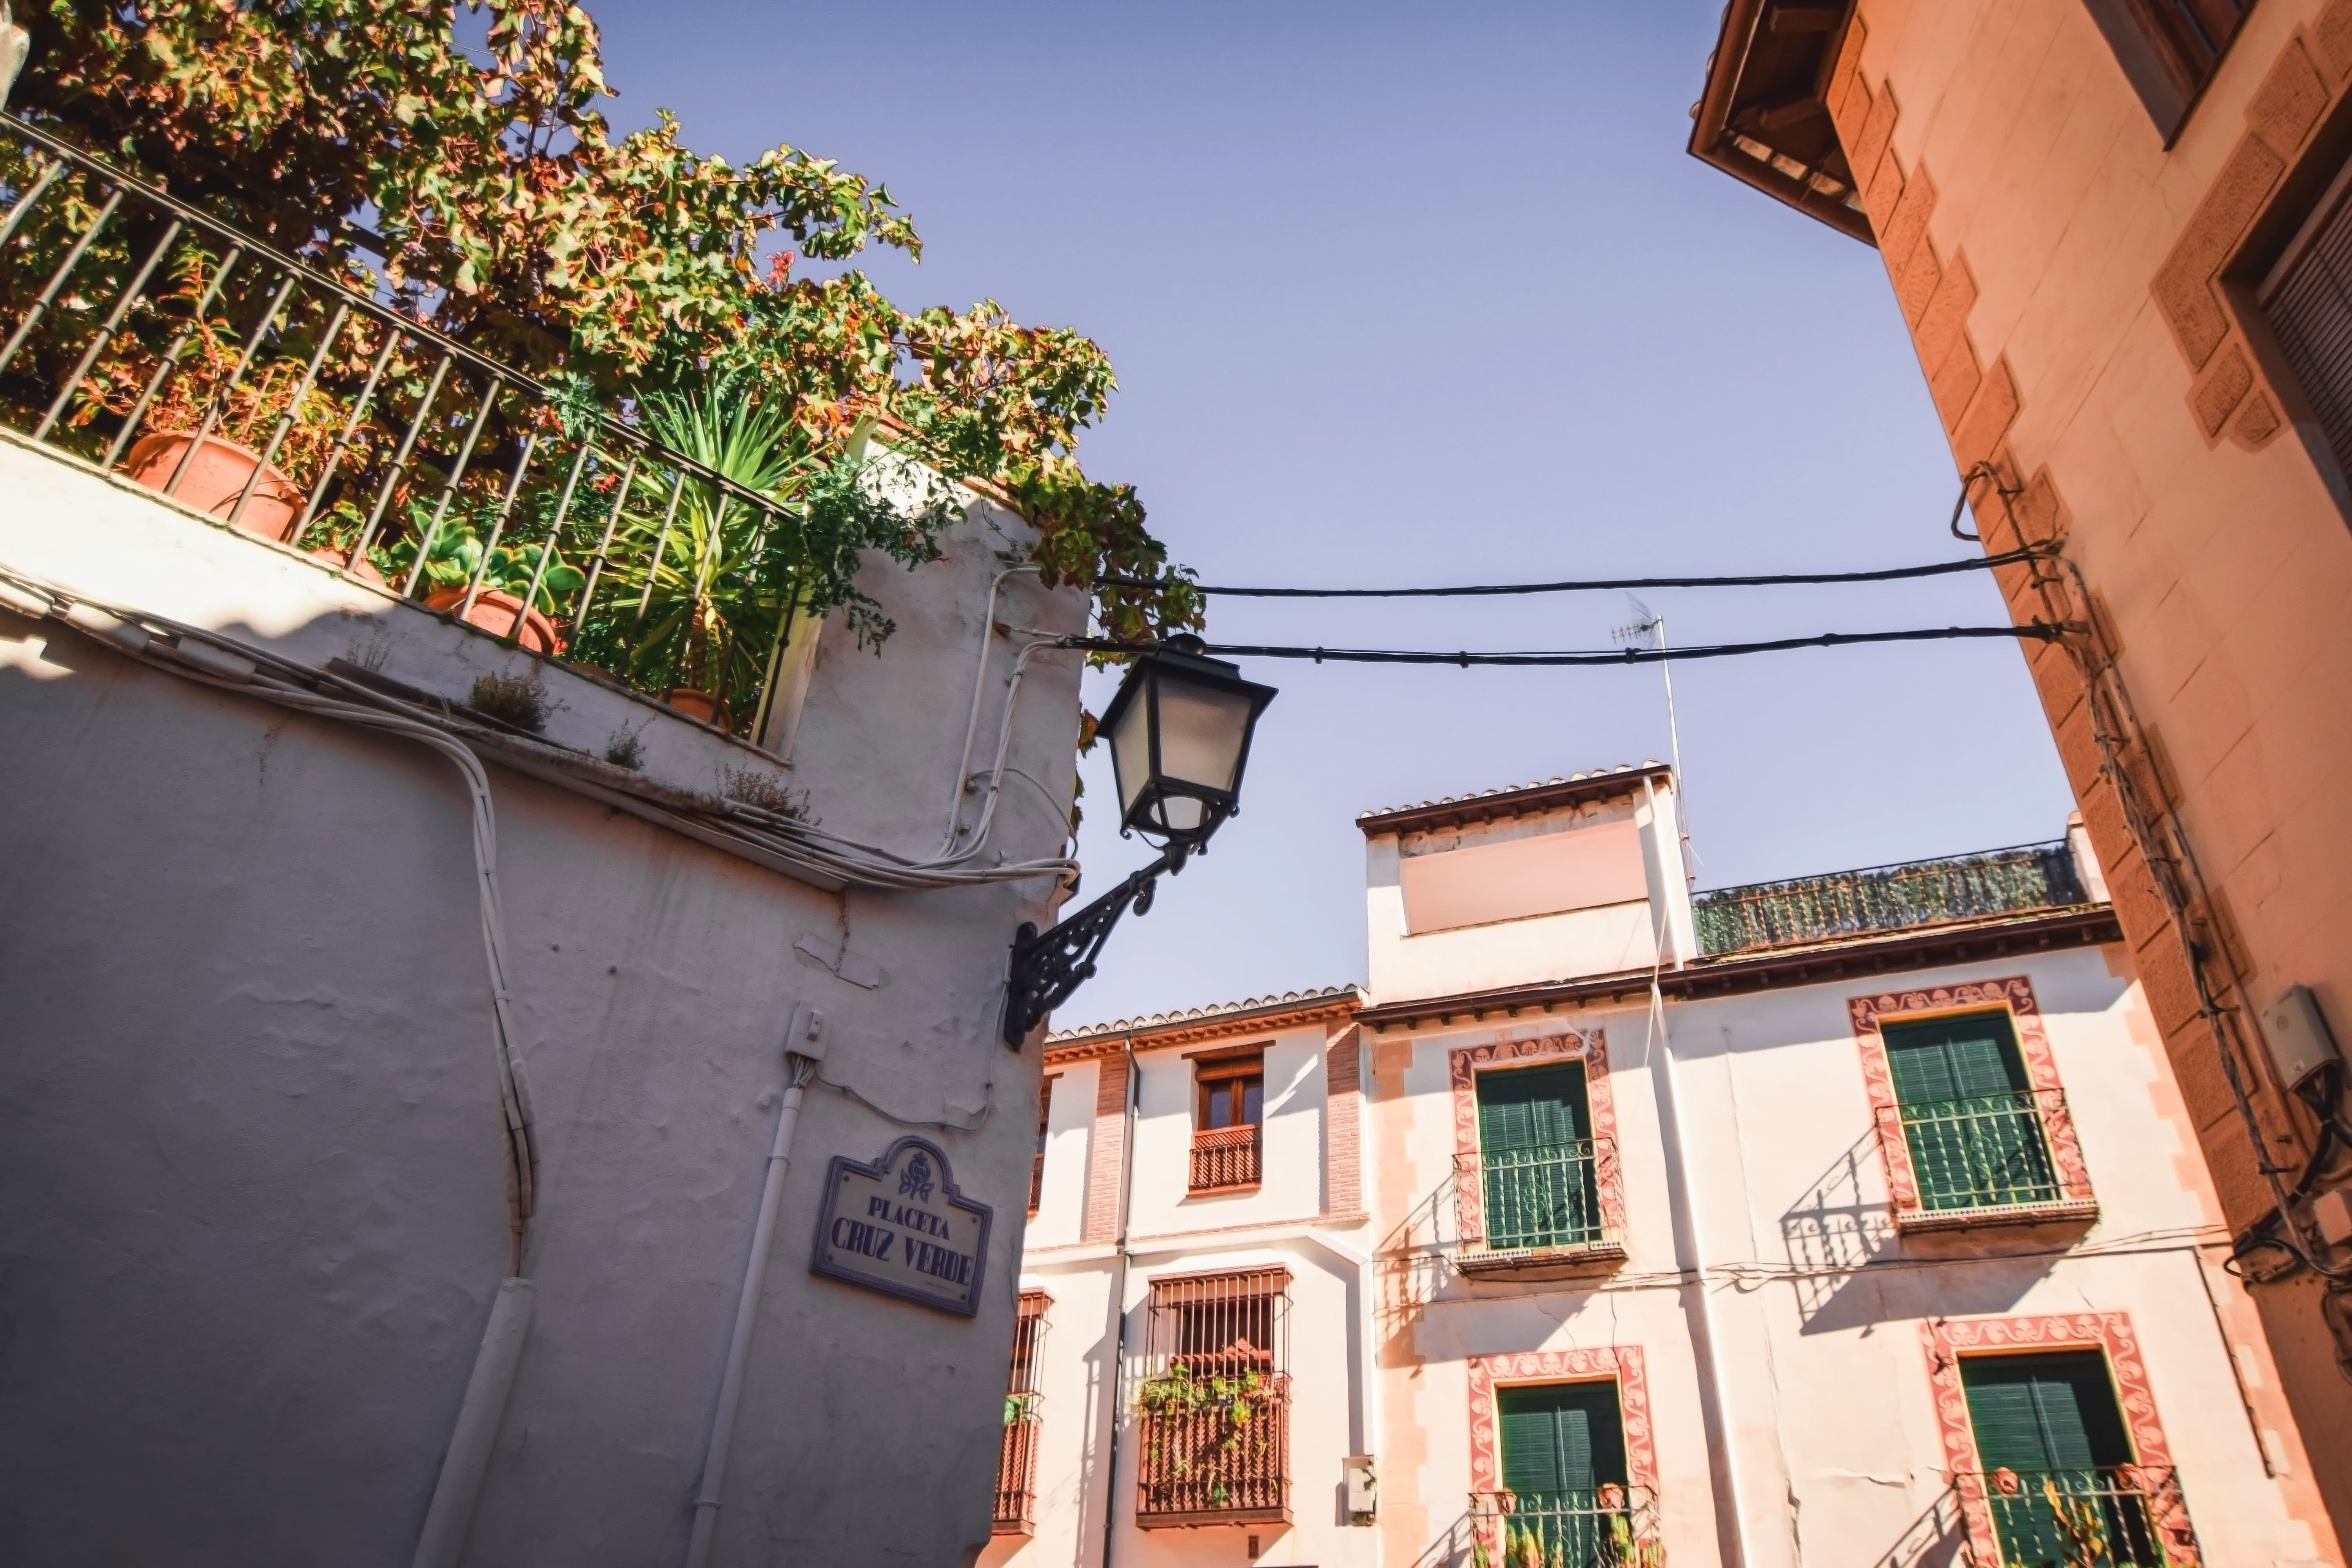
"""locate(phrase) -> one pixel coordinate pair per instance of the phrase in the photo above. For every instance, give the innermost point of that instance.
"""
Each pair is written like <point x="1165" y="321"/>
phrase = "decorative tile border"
<point x="1590" y="1046"/>
<point x="1621" y="1364"/>
<point x="1947" y="1340"/>
<point x="2016" y="995"/>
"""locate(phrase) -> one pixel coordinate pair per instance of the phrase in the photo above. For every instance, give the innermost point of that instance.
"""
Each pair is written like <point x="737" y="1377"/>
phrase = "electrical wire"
<point x="773" y="839"/>
<point x="1593" y="586"/>
<point x="2038" y="631"/>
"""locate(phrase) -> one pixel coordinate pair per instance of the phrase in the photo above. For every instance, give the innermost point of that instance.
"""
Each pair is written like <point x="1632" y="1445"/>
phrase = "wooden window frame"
<point x="2075" y="1201"/>
<point x="1620" y="1363"/>
<point x="1228" y="1160"/>
<point x="2151" y="45"/>
<point x="1463" y="1065"/>
<point x="1947" y="1340"/>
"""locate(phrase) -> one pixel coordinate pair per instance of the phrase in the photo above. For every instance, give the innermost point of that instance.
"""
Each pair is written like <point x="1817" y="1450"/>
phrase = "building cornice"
<point x="1526" y="800"/>
<point x="1204" y="1024"/>
<point x="1935" y="947"/>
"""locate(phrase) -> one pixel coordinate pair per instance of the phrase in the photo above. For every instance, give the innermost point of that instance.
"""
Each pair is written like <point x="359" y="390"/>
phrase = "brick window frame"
<point x="1947" y="1340"/>
<point x="1589" y="1045"/>
<point x="1620" y="1363"/>
<point x="2014" y="993"/>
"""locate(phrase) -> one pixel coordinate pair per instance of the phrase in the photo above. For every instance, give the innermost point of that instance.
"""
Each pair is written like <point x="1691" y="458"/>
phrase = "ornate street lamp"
<point x="1179" y="735"/>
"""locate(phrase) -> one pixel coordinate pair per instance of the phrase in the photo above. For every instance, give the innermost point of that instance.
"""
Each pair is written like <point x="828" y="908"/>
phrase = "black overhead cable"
<point x="2040" y="630"/>
<point x="1779" y="580"/>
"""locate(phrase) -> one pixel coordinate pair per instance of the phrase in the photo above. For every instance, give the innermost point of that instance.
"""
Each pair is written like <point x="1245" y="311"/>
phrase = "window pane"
<point x="1253" y="1098"/>
<point x="1219" y="1107"/>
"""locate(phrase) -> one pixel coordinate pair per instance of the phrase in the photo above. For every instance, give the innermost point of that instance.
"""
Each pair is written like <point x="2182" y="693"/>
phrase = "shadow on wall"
<point x="1936" y="1538"/>
<point x="1834" y="1231"/>
<point x="1411" y="1271"/>
<point x="1451" y="1547"/>
<point x="1853" y="1269"/>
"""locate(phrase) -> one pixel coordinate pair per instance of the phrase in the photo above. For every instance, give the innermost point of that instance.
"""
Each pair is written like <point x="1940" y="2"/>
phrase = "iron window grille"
<point x="1016" y="1460"/>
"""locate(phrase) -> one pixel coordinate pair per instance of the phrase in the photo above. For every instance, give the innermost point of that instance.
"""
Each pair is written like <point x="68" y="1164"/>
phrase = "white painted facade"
<point x="251" y="1219"/>
<point x="1778" y="1340"/>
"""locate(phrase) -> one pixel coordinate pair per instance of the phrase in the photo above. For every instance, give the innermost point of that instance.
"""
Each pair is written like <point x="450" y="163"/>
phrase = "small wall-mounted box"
<point x="1363" y="1489"/>
<point x="2297" y="1036"/>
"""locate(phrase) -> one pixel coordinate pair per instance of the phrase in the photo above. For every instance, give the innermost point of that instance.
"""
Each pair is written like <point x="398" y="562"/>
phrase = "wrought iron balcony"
<point x="1522" y="1209"/>
<point x="1607" y="1527"/>
<point x="1985" y="1158"/>
<point x="1879" y="898"/>
<point x="2129" y="1516"/>
<point x="1226" y="1159"/>
<point x="306" y="404"/>
<point x="1216" y="1453"/>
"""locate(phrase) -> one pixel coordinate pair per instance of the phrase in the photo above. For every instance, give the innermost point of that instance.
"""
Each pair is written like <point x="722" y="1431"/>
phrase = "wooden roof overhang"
<point x="1775" y="970"/>
<point x="1763" y="118"/>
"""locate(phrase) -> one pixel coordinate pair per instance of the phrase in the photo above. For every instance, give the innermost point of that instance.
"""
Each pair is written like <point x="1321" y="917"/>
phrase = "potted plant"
<point x="215" y="474"/>
<point x="457" y="556"/>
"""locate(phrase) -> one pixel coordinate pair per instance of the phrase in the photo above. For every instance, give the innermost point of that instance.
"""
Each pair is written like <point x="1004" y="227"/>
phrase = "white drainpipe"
<point x="806" y="1048"/>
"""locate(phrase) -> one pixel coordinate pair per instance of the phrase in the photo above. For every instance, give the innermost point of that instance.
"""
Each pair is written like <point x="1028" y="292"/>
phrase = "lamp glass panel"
<point x="1181" y="813"/>
<point x="1130" y="751"/>
<point x="1202" y="731"/>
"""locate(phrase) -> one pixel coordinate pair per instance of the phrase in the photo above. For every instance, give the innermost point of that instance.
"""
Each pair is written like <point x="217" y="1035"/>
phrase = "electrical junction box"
<point x="2297" y="1036"/>
<point x="1363" y="1489"/>
<point x="2332" y="1212"/>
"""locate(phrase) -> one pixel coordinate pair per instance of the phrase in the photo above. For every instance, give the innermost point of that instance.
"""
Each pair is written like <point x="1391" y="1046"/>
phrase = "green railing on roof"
<point x="1887" y="899"/>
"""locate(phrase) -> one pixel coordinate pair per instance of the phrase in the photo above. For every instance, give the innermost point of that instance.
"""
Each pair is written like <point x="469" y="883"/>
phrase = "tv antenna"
<point x="1650" y="626"/>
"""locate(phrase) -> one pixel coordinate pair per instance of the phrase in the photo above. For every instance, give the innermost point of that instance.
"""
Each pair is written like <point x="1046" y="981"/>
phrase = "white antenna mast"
<point x="1648" y="623"/>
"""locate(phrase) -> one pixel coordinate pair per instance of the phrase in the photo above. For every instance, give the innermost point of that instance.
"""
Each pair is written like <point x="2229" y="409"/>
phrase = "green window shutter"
<point x="2054" y="1412"/>
<point x="2053" y="1419"/>
<point x="1961" y="1057"/>
<point x="1542" y="1186"/>
<point x="1970" y="1118"/>
<point x="1562" y="1438"/>
<point x="1533" y="1107"/>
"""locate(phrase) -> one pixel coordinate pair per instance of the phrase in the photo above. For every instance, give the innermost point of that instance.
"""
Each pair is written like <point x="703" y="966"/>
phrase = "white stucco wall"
<point x="1813" y="1302"/>
<point x="250" y="1215"/>
<point x="1604" y="938"/>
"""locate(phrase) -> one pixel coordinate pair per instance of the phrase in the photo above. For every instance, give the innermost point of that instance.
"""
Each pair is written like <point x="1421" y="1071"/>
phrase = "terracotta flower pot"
<point x="216" y="478"/>
<point x="363" y="570"/>
<point x="494" y="612"/>
<point x="699" y="705"/>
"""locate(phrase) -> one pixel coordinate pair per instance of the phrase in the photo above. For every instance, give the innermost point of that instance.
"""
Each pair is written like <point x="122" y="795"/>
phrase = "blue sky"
<point x="1414" y="294"/>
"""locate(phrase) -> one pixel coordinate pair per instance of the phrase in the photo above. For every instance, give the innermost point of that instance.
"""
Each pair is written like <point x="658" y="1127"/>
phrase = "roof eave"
<point x="1713" y="141"/>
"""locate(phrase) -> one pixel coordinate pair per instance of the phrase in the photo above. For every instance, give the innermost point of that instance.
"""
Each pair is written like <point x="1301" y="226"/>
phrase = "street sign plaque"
<point x="899" y="1225"/>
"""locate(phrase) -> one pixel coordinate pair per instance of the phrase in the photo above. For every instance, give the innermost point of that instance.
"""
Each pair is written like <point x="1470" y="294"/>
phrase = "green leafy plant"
<point x="498" y="206"/>
<point x="518" y="700"/>
<point x="456" y="553"/>
<point x="706" y="591"/>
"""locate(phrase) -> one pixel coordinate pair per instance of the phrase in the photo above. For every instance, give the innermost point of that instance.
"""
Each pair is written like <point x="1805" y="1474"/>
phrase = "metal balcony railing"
<point x="1536" y="1199"/>
<point x="304" y="401"/>
<point x="2128" y="1516"/>
<point x="1887" y="899"/>
<point x="1987" y="1151"/>
<point x="1215" y="1451"/>
<point x="1606" y="1527"/>
<point x="1228" y="1157"/>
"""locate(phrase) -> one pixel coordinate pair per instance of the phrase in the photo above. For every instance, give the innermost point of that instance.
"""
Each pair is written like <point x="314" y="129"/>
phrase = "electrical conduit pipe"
<point x="804" y="1049"/>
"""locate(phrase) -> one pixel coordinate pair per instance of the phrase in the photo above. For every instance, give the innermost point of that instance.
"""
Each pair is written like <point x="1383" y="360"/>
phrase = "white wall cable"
<point x="188" y="649"/>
